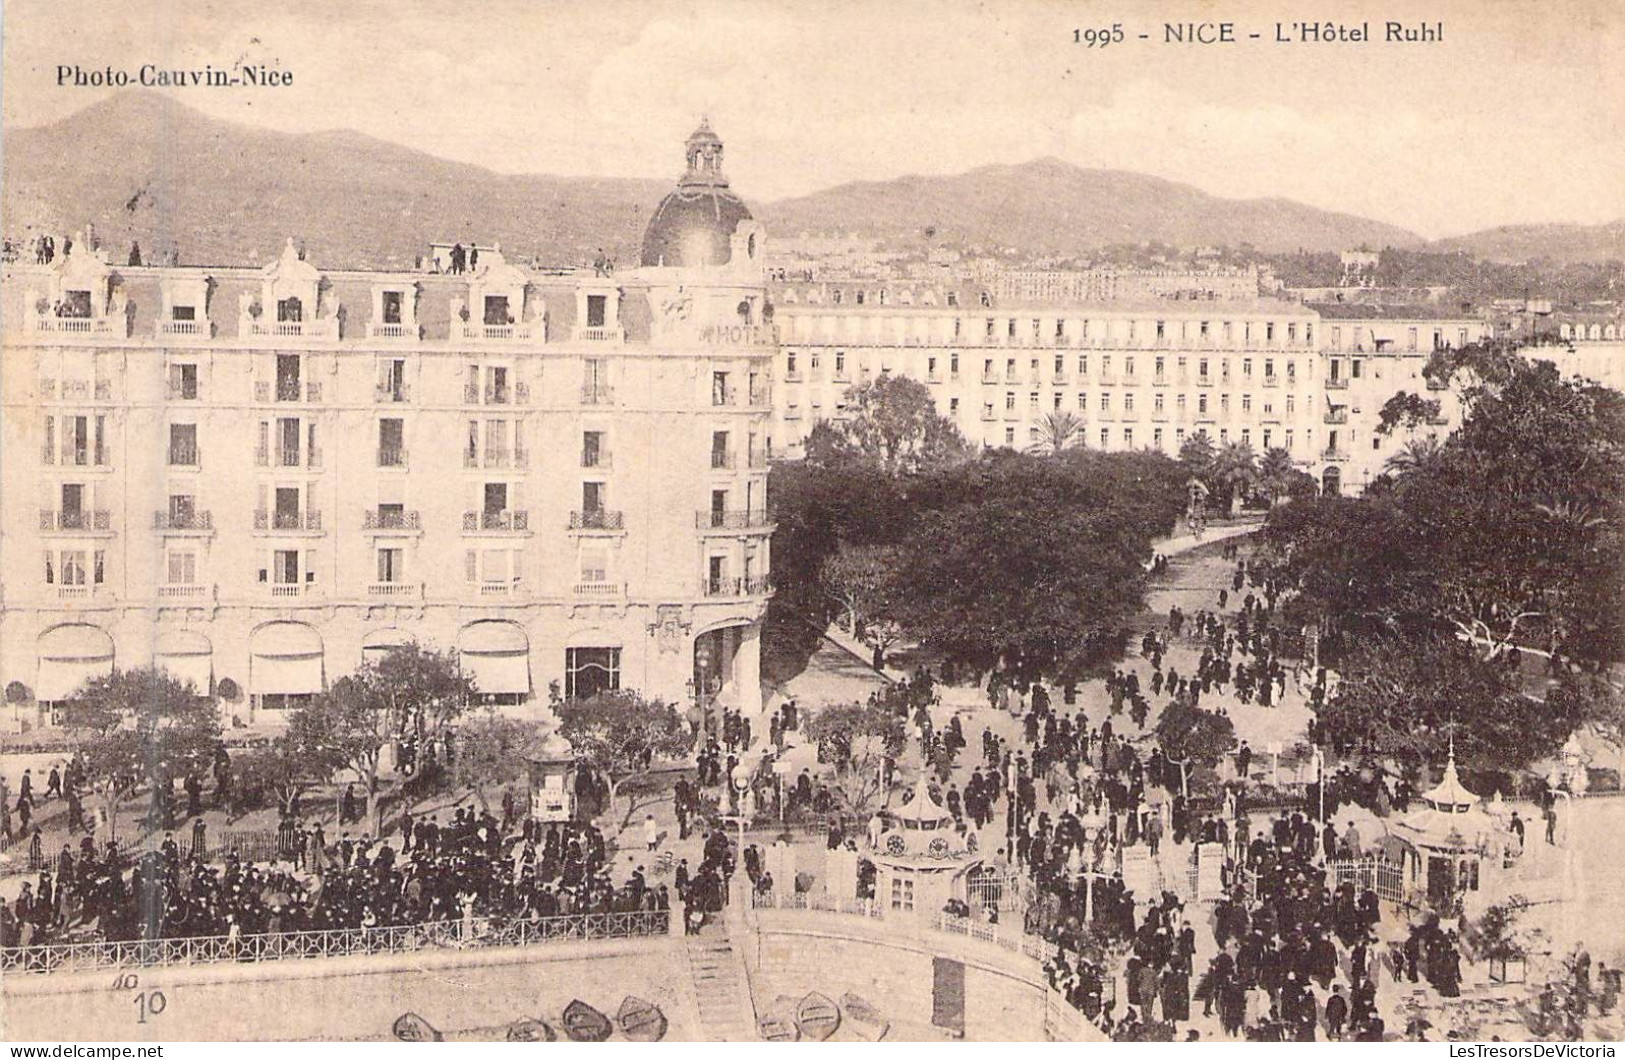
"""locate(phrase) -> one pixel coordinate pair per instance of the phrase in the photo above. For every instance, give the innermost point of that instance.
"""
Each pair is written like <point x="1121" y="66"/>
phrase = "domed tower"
<point x="694" y="225"/>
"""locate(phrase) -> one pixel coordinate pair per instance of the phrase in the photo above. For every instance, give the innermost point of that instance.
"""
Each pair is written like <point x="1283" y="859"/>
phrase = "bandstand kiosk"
<point x="1448" y="842"/>
<point x="552" y="764"/>
<point x="921" y="860"/>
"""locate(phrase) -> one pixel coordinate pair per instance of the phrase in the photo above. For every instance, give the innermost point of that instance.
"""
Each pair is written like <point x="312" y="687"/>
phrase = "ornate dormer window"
<point x="82" y="298"/>
<point x="289" y="304"/>
<point x="495" y="310"/>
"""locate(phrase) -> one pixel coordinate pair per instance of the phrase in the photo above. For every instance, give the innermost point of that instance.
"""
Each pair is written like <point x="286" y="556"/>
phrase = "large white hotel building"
<point x="1146" y="372"/>
<point x="259" y="477"/>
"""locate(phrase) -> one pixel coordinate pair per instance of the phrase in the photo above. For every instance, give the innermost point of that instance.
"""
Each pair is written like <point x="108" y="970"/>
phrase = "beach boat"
<point x="411" y="1027"/>
<point x="640" y="1020"/>
<point x="817" y="1017"/>
<point x="583" y="1023"/>
<point x="863" y="1020"/>
<point x="777" y="1023"/>
<point x="529" y="1030"/>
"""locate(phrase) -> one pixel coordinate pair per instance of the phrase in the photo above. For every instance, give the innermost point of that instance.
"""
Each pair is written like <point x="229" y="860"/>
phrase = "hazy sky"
<point x="1518" y="116"/>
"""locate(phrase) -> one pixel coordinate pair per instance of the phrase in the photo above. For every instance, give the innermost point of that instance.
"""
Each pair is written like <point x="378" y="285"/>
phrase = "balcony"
<point x="74" y="457"/>
<point x="176" y="391"/>
<point x="500" y="588"/>
<point x="597" y="394"/>
<point x="183" y="329"/>
<point x="394" y="590"/>
<point x="287" y="390"/>
<point x="760" y="398"/>
<point x="600" y="590"/>
<point x="325" y="329"/>
<point x="736" y="587"/>
<point x="990" y="377"/>
<point x="597" y="460"/>
<point x="290" y="590"/>
<point x="1336" y="455"/>
<point x="1272" y="380"/>
<point x="98" y="520"/>
<point x="393" y="394"/>
<point x="76" y="592"/>
<point x="1341" y="383"/>
<point x="391" y="456"/>
<point x="493" y="520"/>
<point x="93" y="327"/>
<point x="309" y="521"/>
<point x="723" y="460"/>
<point x="373" y="519"/>
<point x="472" y="332"/>
<point x="600" y="519"/>
<point x="182" y="522"/>
<point x="392" y="331"/>
<point x="289" y="456"/>
<point x="732" y="520"/>
<point x="1337" y="416"/>
<point x="183" y="456"/>
<point x="590" y="334"/>
<point x="722" y="397"/>
<point x="191" y="591"/>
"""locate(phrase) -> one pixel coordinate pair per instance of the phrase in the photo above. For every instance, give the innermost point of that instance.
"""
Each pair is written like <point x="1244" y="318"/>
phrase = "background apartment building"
<point x="268" y="475"/>
<point x="1145" y="373"/>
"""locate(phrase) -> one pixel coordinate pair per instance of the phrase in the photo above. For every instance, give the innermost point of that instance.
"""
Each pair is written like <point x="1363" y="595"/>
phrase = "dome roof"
<point x="692" y="226"/>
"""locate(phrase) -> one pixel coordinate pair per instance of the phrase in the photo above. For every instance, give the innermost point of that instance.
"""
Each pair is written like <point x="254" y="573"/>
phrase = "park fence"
<point x="1372" y="872"/>
<point x="468" y="933"/>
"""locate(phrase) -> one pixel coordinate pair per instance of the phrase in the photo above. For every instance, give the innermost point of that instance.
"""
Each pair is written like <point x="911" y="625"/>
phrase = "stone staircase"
<point x="723" y="998"/>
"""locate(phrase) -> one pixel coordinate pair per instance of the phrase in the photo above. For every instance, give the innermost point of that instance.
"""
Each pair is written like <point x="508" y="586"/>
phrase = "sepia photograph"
<point x="812" y="520"/>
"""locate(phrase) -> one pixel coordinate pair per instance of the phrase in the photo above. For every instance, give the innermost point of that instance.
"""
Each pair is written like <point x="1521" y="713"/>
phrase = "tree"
<point x="895" y="422"/>
<point x="862" y="579"/>
<point x="1023" y="566"/>
<point x="141" y="724"/>
<point x="1232" y="472"/>
<point x="1057" y="432"/>
<point x="490" y="753"/>
<point x="285" y="769"/>
<point x="409" y="692"/>
<point x="1187" y="733"/>
<point x="1196" y="453"/>
<point x="623" y="738"/>
<point x="1277" y="474"/>
<point x="1411" y="701"/>
<point x="858" y="739"/>
<point x="1415" y="455"/>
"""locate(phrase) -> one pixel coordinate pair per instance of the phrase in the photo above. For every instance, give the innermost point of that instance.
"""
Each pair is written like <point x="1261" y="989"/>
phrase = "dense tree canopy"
<point x="1506" y="537"/>
<point x="623" y="737"/>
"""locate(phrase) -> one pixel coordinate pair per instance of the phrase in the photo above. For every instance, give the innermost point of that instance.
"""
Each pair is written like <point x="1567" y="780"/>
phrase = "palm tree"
<point x="1275" y="473"/>
<point x="1414" y="455"/>
<point x="1234" y="469"/>
<point x="1057" y="432"/>
<point x="1196" y="453"/>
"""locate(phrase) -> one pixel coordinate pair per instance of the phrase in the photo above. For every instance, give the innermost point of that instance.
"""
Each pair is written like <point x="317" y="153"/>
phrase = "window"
<point x="596" y="305"/>
<point x="589" y="671"/>
<point x="1105" y="403"/>
<point x="1009" y="436"/>
<point x="183" y="445"/>
<point x="1156" y="438"/>
<point x="1105" y="437"/>
<point x="1247" y="367"/>
<point x="392" y="443"/>
<point x="496" y="310"/>
<point x="1266" y="438"/>
<point x="1128" y="402"/>
<point x="181" y="568"/>
<point x="953" y="406"/>
<point x="391" y="565"/>
<point x="1246" y="403"/>
<point x="902" y="894"/>
<point x="1128" y="437"/>
<point x="953" y="364"/>
<point x="594" y="453"/>
<point x="183" y="382"/>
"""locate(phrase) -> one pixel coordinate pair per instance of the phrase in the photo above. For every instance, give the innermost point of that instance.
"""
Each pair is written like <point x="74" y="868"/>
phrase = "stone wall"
<point x="473" y="994"/>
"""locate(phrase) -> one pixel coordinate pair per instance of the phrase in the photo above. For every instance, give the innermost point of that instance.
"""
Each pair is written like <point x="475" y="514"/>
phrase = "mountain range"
<point x="142" y="167"/>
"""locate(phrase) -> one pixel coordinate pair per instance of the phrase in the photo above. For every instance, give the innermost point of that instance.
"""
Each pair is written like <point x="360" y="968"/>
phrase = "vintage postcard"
<point x="812" y="520"/>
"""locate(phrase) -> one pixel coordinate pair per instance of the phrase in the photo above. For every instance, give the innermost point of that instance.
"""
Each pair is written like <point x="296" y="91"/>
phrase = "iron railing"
<point x="476" y="933"/>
